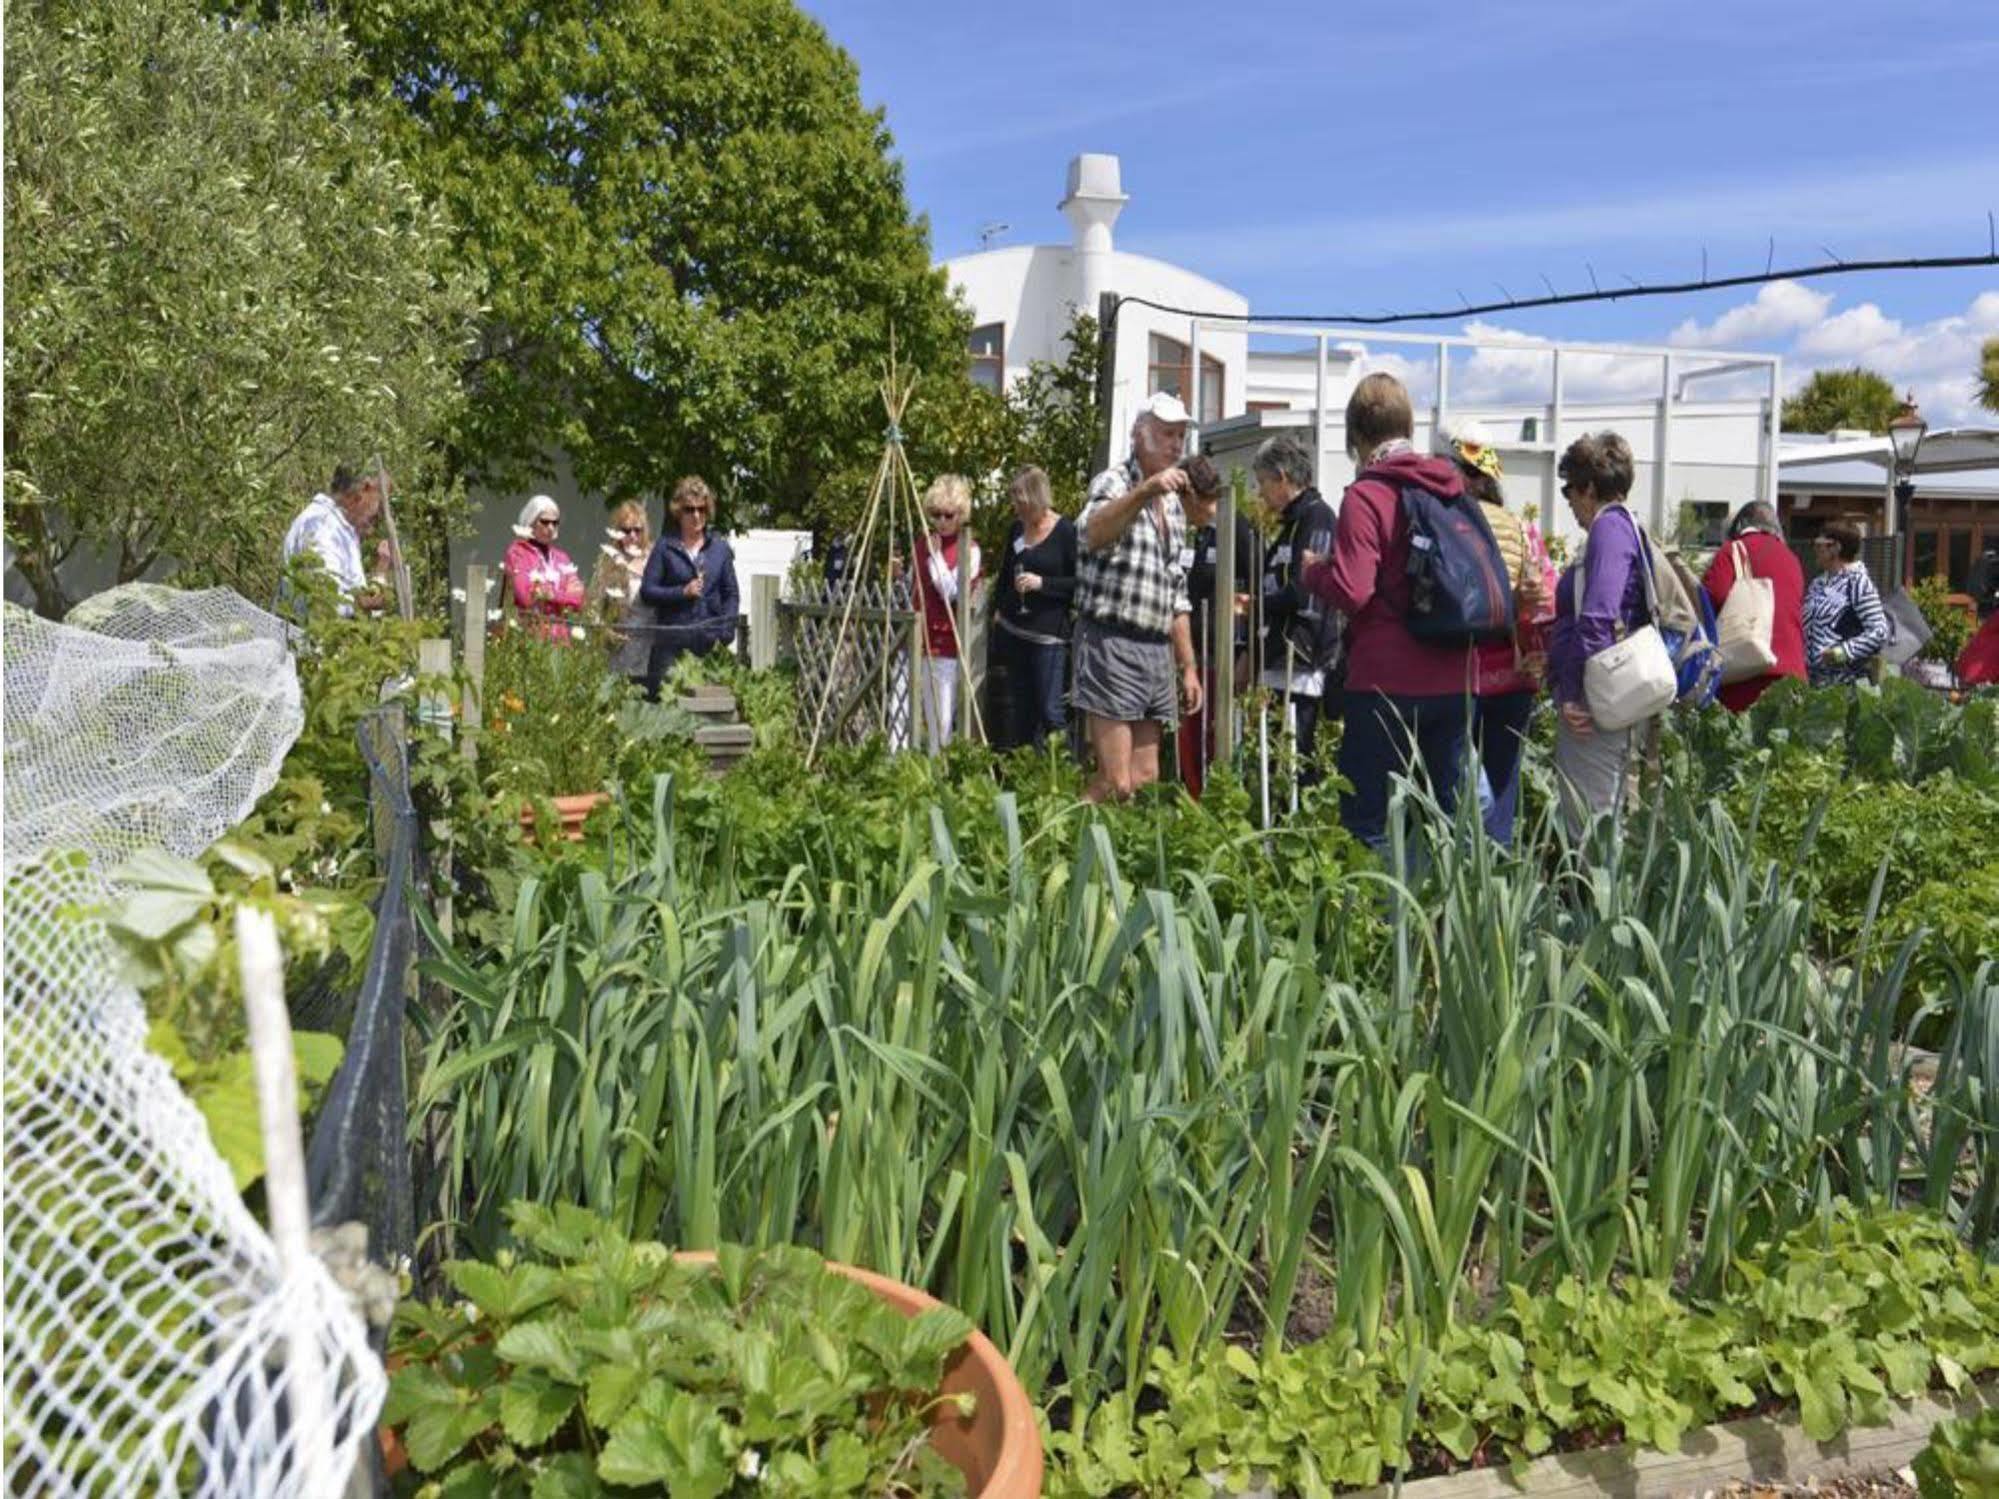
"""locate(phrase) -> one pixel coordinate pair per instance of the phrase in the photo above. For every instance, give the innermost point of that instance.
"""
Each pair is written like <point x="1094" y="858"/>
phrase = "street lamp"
<point x="1905" y="436"/>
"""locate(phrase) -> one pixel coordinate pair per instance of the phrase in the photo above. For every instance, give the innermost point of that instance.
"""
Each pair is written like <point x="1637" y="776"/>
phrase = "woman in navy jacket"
<point x="690" y="583"/>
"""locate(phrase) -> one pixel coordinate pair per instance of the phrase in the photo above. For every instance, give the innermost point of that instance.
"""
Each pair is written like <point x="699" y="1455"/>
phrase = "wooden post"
<point x="1106" y="377"/>
<point x="763" y="621"/>
<point x="472" y="711"/>
<point x="433" y="713"/>
<point x="964" y="631"/>
<point x="1221" y="629"/>
<point x="919" y="689"/>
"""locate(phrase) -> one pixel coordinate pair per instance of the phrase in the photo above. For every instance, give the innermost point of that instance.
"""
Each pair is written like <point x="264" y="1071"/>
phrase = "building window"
<point x="1172" y="370"/>
<point x="988" y="349"/>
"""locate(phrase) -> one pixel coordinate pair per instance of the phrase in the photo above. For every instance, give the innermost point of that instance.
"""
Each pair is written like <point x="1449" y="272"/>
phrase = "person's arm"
<point x="727" y="598"/>
<point x="1613" y="553"/>
<point x="1182" y="636"/>
<point x="1347" y="579"/>
<point x="1873" y="619"/>
<point x="519" y="578"/>
<point x="1105" y="520"/>
<point x="653" y="587"/>
<point x="569" y="596"/>
<point x="1720" y="576"/>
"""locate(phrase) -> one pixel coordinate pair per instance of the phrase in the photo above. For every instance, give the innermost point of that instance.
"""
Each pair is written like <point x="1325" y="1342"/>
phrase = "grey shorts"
<point x="1119" y="678"/>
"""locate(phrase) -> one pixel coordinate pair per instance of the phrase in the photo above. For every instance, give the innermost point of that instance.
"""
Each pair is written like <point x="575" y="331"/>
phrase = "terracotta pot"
<point x="571" y="809"/>
<point x="999" y="1448"/>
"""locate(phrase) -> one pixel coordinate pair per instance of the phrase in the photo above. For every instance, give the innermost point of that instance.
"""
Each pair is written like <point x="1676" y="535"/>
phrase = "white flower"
<point x="491" y="584"/>
<point x="578" y="631"/>
<point x="326" y="809"/>
<point x="750" y="1464"/>
<point x="492" y="616"/>
<point x="457" y="595"/>
<point x="470" y="1310"/>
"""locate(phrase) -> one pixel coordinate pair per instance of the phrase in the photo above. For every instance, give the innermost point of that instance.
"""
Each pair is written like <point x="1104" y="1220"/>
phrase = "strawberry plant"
<point x="594" y="1364"/>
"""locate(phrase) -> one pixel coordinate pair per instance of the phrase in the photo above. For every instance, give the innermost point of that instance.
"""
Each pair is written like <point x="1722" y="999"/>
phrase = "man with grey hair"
<point x="1301" y="633"/>
<point x="331" y="527"/>
<point x="1131" y="604"/>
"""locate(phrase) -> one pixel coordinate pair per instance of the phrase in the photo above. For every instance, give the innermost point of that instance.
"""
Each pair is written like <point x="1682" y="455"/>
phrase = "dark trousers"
<point x="1038" y="679"/>
<point x="1499" y="725"/>
<point x="1305" y="714"/>
<point x="1387" y="734"/>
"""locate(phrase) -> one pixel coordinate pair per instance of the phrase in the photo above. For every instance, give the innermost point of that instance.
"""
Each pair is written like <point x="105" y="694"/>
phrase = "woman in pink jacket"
<point x="547" y="589"/>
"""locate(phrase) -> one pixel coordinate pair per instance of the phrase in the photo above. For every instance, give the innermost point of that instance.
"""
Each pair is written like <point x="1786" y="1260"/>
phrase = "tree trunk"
<point x="51" y="600"/>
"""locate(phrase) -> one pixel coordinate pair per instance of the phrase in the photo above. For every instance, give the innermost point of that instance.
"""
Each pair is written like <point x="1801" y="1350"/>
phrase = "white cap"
<point x="1454" y="430"/>
<point x="1165" y="407"/>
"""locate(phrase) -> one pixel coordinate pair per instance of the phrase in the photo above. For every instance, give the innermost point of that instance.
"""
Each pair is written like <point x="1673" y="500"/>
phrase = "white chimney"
<point x="1095" y="199"/>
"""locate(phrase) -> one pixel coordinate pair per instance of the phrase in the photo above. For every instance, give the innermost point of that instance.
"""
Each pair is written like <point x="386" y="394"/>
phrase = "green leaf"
<point x="506" y="1295"/>
<point x="569" y="1476"/>
<point x="541" y="1345"/>
<point x="317" y="1055"/>
<point x="438" y="1433"/>
<point x="533" y="1407"/>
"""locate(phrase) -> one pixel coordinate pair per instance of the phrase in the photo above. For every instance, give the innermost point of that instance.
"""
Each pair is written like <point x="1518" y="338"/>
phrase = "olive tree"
<point x="219" y="283"/>
<point x="697" y="242"/>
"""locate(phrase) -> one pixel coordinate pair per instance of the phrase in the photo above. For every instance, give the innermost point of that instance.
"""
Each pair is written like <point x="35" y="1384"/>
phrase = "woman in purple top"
<point x="1591" y="761"/>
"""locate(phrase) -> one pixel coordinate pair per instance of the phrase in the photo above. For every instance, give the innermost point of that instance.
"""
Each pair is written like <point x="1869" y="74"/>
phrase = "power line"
<point x="1833" y="267"/>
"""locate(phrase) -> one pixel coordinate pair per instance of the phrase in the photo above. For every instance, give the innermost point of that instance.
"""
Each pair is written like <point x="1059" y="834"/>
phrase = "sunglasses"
<point x="631" y="530"/>
<point x="553" y="522"/>
<point x="943" y="515"/>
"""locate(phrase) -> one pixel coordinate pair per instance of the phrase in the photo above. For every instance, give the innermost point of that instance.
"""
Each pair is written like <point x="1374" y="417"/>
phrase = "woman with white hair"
<point x="948" y="505"/>
<point x="547" y="589"/>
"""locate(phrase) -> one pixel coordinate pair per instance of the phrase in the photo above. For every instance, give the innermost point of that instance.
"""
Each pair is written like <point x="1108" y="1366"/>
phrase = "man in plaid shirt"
<point x="1131" y="604"/>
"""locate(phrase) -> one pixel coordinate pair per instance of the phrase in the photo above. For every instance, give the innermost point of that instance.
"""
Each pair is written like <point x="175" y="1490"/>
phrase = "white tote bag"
<point x="1746" y="622"/>
<point x="1631" y="679"/>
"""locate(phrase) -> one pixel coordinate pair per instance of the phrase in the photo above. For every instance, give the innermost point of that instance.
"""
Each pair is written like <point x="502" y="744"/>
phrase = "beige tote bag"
<point x="1747" y="621"/>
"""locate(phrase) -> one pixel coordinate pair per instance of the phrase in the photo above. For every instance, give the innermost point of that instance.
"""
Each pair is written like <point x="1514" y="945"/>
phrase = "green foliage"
<point x="1110" y="1086"/>
<point x="1961" y="1459"/>
<point x="176" y="930"/>
<point x="219" y="283"/>
<point x="696" y="242"/>
<point x="599" y="1364"/>
<point x="553" y="716"/>
<point x="1951" y="624"/>
<point x="1988" y="374"/>
<point x="1839" y="1319"/>
<point x="1834" y="399"/>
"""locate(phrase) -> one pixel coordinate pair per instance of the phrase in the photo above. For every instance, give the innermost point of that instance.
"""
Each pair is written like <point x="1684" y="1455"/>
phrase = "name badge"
<point x="1282" y="556"/>
<point x="1019" y="545"/>
<point x="1186" y="558"/>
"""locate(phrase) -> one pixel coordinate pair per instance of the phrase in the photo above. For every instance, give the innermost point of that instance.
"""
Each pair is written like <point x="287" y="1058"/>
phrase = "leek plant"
<point x="1104" y="1118"/>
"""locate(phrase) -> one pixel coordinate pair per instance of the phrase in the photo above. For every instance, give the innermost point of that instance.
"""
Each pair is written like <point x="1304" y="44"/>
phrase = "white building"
<point x="1023" y="296"/>
<point x="1698" y="442"/>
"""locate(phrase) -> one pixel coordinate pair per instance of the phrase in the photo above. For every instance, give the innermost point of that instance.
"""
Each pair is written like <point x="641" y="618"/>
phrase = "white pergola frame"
<point x="1677" y="369"/>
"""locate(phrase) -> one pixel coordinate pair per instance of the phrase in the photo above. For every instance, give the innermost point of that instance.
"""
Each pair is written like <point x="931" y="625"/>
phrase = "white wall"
<point x="1292" y="379"/>
<point x="1034" y="288"/>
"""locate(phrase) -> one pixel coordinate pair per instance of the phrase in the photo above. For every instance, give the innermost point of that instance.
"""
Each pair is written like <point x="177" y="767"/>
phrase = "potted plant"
<point x="594" y="1364"/>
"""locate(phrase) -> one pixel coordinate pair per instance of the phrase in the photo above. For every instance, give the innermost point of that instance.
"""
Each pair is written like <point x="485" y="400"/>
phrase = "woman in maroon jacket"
<point x="1407" y="701"/>
<point x="1755" y="526"/>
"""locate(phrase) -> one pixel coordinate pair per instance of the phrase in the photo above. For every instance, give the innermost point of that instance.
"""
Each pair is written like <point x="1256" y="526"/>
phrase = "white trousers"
<point x="940" y="699"/>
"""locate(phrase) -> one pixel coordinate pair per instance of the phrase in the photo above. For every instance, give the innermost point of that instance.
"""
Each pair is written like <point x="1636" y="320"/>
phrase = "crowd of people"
<point x="651" y="601"/>
<point x="1422" y="613"/>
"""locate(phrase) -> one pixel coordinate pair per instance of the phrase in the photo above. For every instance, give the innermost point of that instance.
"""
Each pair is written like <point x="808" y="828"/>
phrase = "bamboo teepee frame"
<point x="894" y="509"/>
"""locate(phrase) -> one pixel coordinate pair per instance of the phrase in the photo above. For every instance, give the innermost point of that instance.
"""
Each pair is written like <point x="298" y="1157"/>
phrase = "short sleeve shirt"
<point x="1139" y="581"/>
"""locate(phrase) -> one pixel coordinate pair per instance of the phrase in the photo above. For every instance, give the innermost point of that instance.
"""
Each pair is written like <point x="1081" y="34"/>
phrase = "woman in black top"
<point x="1037" y="579"/>
<point x="1301" y="635"/>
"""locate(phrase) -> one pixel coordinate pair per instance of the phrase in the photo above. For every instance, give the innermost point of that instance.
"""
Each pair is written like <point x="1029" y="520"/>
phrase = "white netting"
<point x="147" y="1320"/>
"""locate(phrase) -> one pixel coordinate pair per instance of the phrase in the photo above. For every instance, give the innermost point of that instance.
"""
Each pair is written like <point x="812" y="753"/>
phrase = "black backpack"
<point x="1459" y="593"/>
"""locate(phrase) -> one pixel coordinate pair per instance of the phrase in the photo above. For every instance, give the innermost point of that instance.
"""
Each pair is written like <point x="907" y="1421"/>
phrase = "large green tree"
<point x="1988" y="374"/>
<point x="1832" y="399"/>
<point x="695" y="238"/>
<point x="219" y="283"/>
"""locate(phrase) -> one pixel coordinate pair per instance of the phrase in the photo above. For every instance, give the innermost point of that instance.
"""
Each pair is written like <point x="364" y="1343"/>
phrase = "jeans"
<point x="1038" y="695"/>
<point x="1499" y="725"/>
<point x="1388" y="734"/>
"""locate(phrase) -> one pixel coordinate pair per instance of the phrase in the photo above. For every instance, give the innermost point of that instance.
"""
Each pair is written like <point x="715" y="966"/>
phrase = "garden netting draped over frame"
<point x="147" y="1316"/>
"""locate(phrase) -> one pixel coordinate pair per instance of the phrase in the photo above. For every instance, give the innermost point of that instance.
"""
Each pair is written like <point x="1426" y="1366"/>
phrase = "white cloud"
<point x="1937" y="360"/>
<point x="1781" y="307"/>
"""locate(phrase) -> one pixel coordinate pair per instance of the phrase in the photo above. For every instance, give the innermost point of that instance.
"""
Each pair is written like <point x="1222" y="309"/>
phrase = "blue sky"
<point x="1319" y="160"/>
